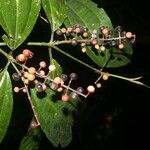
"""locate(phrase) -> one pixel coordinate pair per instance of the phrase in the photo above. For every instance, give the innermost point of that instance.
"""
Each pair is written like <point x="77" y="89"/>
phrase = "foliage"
<point x="54" y="113"/>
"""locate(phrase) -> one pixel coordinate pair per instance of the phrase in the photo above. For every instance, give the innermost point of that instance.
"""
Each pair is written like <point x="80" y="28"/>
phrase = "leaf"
<point x="18" y="18"/>
<point x="89" y="15"/>
<point x="58" y="70"/>
<point x="6" y="102"/>
<point x="113" y="57"/>
<point x="32" y="140"/>
<point x="55" y="116"/>
<point x="55" y="11"/>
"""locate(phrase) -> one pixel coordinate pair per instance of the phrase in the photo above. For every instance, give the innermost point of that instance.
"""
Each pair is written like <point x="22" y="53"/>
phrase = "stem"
<point x="3" y="44"/>
<point x="69" y="41"/>
<point x="133" y="80"/>
<point x="38" y="44"/>
<point x="50" y="49"/>
<point x="16" y="68"/>
<point x="32" y="106"/>
<point x="4" y="53"/>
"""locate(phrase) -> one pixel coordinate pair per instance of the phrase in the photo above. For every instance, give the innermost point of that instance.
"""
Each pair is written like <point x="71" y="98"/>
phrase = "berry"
<point x="33" y="124"/>
<point x="52" y="68"/>
<point x="44" y="87"/>
<point x="31" y="77"/>
<point x="42" y="64"/>
<point x="96" y="46"/>
<point x="102" y="48"/>
<point x="26" y="52"/>
<point x="94" y="36"/>
<point x="31" y="70"/>
<point x="85" y="29"/>
<point x="73" y="76"/>
<point x="36" y="81"/>
<point x="83" y="44"/>
<point x="57" y="80"/>
<point x="85" y="34"/>
<point x="80" y="89"/>
<point x="110" y="33"/>
<point x="98" y="85"/>
<point x="121" y="46"/>
<point x="24" y="90"/>
<point x="39" y="87"/>
<point x="65" y="98"/>
<point x="21" y="58"/>
<point x="94" y="31"/>
<point x="91" y="89"/>
<point x="74" y="42"/>
<point x="60" y="89"/>
<point x="15" y="76"/>
<point x="113" y="43"/>
<point x="83" y="49"/>
<point x="94" y="41"/>
<point x="42" y="73"/>
<point x="63" y="30"/>
<point x="105" y="76"/>
<point x="26" y="81"/>
<point x="78" y="30"/>
<point x="53" y="86"/>
<point x="128" y="35"/>
<point x="73" y="95"/>
<point x="118" y="29"/>
<point x="69" y="29"/>
<point x="16" y="89"/>
<point x="105" y="31"/>
<point x="64" y="77"/>
<point x="25" y="74"/>
<point x="58" y="32"/>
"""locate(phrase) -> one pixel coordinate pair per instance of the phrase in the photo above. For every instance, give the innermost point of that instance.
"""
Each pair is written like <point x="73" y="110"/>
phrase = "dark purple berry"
<point x="118" y="29"/>
<point x="113" y="43"/>
<point x="85" y="29"/>
<point x="80" y="89"/>
<point x="15" y="76"/>
<point x="73" y="76"/>
<point x="64" y="77"/>
<point x="39" y="87"/>
<point x="58" y="32"/>
<point x="73" y="95"/>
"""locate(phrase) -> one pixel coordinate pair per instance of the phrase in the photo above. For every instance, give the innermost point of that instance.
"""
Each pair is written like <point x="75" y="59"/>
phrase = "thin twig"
<point x="32" y="106"/>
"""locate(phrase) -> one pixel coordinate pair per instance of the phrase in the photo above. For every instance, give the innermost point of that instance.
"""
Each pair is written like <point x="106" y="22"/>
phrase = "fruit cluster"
<point x="42" y="80"/>
<point x="99" y="39"/>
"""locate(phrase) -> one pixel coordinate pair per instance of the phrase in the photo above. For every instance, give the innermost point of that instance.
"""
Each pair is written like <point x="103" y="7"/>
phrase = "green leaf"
<point x="55" y="116"/>
<point x="58" y="70"/>
<point x="113" y="57"/>
<point x="55" y="11"/>
<point x="6" y="102"/>
<point x="89" y="15"/>
<point x="32" y="140"/>
<point x="18" y="18"/>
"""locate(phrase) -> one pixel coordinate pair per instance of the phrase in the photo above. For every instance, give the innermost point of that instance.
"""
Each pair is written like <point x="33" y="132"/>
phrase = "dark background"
<point x="117" y="116"/>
